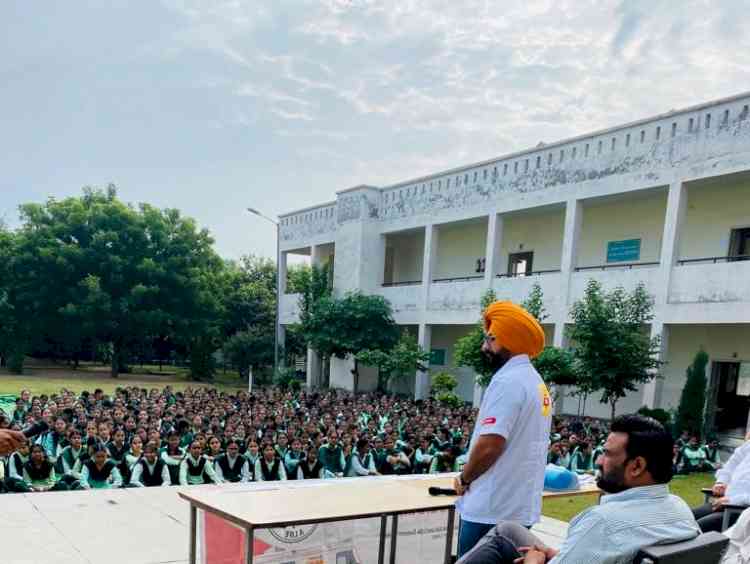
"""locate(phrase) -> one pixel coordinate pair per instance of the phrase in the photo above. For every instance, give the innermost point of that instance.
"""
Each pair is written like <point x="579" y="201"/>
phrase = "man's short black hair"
<point x="647" y="438"/>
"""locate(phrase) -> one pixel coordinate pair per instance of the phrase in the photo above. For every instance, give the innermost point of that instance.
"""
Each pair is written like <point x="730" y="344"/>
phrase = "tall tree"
<point x="95" y="266"/>
<point x="348" y="326"/>
<point x="612" y="346"/>
<point x="403" y="360"/>
<point x="690" y="412"/>
<point x="468" y="349"/>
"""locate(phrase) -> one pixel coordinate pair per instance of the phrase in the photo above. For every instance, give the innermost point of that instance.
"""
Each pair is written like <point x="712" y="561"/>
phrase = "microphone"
<point x="441" y="491"/>
<point x="36" y="429"/>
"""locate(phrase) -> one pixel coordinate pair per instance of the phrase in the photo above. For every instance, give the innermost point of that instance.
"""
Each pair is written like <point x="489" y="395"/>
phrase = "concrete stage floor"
<point x="126" y="526"/>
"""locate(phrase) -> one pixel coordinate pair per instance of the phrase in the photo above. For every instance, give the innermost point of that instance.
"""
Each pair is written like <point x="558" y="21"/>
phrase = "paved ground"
<point x="128" y="526"/>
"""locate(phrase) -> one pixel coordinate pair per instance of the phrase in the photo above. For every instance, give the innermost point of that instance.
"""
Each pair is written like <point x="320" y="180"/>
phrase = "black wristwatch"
<point x="463" y="482"/>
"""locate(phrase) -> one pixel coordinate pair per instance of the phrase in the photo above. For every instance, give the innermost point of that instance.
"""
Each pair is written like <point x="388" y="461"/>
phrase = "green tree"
<point x="250" y="349"/>
<point x="92" y="266"/>
<point x="468" y="349"/>
<point x="690" y="412"/>
<point x="443" y="389"/>
<point x="403" y="360"/>
<point x="612" y="348"/>
<point x="348" y="326"/>
<point x="557" y="367"/>
<point x="534" y="304"/>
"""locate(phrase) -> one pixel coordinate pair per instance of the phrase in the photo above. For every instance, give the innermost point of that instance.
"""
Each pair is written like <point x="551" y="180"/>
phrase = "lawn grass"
<point x="50" y="380"/>
<point x="687" y="487"/>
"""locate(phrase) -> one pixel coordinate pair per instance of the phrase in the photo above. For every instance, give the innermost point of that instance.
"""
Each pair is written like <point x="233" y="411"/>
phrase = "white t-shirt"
<point x="518" y="407"/>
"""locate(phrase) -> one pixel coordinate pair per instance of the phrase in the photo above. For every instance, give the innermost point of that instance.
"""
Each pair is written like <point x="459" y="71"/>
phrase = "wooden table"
<point x="348" y="500"/>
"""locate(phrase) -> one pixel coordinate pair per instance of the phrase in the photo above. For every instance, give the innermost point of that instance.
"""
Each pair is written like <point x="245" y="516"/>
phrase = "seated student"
<point x="39" y="473"/>
<point x="172" y="455"/>
<point x="310" y="467"/>
<point x="252" y="454"/>
<point x="694" y="457"/>
<point x="134" y="454"/>
<point x="713" y="455"/>
<point x="362" y="461"/>
<point x="195" y="469"/>
<point x="19" y="413"/>
<point x="215" y="450"/>
<point x="232" y="466"/>
<point x="553" y="455"/>
<point x="445" y="461"/>
<point x="423" y="456"/>
<point x="14" y="473"/>
<point x="282" y="445"/>
<point x="150" y="470"/>
<point x="637" y="466"/>
<point x="582" y="461"/>
<point x="732" y="487"/>
<point x="99" y="472"/>
<point x="332" y="457"/>
<point x="54" y="440"/>
<point x="565" y="457"/>
<point x="292" y="458"/>
<point x="71" y="459"/>
<point x="394" y="461"/>
<point x="269" y="467"/>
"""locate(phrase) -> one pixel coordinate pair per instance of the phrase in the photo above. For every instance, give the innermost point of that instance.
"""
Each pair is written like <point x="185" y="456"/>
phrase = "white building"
<point x="664" y="201"/>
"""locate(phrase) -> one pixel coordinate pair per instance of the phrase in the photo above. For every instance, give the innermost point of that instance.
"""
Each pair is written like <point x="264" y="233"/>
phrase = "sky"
<point x="211" y="106"/>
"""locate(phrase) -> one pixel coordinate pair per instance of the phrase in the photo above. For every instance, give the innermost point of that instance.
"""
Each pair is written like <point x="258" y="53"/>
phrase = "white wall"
<point x="459" y="246"/>
<point x="445" y="337"/>
<point x="712" y="211"/>
<point x="408" y="255"/>
<point x="540" y="232"/>
<point x="640" y="216"/>
<point x="721" y="342"/>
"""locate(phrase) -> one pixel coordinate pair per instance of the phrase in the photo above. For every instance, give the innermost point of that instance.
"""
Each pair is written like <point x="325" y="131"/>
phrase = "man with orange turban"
<point x="504" y="476"/>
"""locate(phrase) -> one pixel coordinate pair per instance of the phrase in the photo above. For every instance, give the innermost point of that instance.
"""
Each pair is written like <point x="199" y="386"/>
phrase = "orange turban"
<point x="514" y="328"/>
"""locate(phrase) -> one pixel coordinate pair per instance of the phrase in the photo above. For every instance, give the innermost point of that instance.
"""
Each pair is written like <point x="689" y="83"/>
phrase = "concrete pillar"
<point x="281" y="336"/>
<point x="478" y="395"/>
<point x="313" y="369"/>
<point x="674" y="221"/>
<point x="571" y="237"/>
<point x="315" y="255"/>
<point x="429" y="261"/>
<point x="652" y="389"/>
<point x="558" y="338"/>
<point x="282" y="270"/>
<point x="492" y="251"/>
<point x="422" y="382"/>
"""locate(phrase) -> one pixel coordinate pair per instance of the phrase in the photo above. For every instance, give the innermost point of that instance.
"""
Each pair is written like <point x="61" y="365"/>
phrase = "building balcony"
<point x="404" y="296"/>
<point x="711" y="280"/>
<point x="459" y="294"/>
<point x="611" y="276"/>
<point x="289" y="309"/>
<point x="517" y="288"/>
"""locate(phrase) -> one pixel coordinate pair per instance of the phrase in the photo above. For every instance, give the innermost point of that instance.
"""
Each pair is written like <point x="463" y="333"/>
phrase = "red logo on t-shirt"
<point x="489" y="421"/>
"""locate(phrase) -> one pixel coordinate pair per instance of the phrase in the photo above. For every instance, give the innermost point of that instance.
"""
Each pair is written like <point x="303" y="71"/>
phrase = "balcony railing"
<point x="525" y="274"/>
<point x="627" y="266"/>
<point x="460" y="278"/>
<point x="714" y="260"/>
<point x="404" y="283"/>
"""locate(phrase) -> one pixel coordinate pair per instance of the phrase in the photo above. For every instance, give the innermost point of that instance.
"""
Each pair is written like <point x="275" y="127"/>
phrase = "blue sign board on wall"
<point x="628" y="250"/>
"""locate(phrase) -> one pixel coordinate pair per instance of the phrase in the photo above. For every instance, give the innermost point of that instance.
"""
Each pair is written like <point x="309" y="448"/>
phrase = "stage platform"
<point x="125" y="526"/>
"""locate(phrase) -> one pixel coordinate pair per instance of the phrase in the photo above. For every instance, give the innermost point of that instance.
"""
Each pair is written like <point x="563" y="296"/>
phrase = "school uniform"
<point x="291" y="463"/>
<point x="232" y="469"/>
<point x="265" y="472"/>
<point x="195" y="472"/>
<point x="440" y="465"/>
<point x="361" y="466"/>
<point x="106" y="477"/>
<point x="173" y="462"/>
<point x="42" y="477"/>
<point x="332" y="460"/>
<point x="305" y="471"/>
<point x="53" y="444"/>
<point x="582" y="463"/>
<point x="150" y="475"/>
<point x="422" y="459"/>
<point x="69" y="463"/>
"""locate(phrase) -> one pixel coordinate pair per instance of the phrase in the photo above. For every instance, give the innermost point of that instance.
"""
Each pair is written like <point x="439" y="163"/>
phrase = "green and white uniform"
<point x="195" y="472"/>
<point x="106" y="477"/>
<point x="272" y="472"/>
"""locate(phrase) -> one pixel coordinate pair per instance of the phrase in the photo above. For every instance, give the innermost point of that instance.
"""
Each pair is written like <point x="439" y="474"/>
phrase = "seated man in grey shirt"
<point x="636" y="511"/>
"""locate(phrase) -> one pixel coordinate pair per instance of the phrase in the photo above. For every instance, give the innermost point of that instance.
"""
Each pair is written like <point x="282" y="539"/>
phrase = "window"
<point x="573" y="155"/>
<point x="691" y="123"/>
<point x="520" y="264"/>
<point x="708" y="121"/>
<point x="549" y="159"/>
<point x="526" y="165"/>
<point x="440" y="184"/>
<point x="586" y="150"/>
<point x="448" y="183"/>
<point x="505" y="169"/>
<point x="726" y="117"/>
<point x="538" y="161"/>
<point x="745" y="110"/>
<point x="643" y="135"/>
<point x="614" y="143"/>
<point x="674" y="129"/>
<point x="466" y="178"/>
<point x="484" y="174"/>
<point x="515" y="167"/>
<point x="739" y="244"/>
<point x="562" y="154"/>
<point x="658" y="132"/>
<point x="599" y="148"/>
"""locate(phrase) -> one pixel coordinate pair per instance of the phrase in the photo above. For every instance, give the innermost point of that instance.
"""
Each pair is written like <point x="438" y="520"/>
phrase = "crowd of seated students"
<point x="160" y="437"/>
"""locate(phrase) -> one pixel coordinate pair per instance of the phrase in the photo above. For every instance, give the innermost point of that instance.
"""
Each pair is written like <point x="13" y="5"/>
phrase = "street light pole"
<point x="278" y="296"/>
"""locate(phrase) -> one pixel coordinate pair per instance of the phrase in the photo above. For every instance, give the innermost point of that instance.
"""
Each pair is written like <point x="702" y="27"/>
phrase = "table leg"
<point x="249" y="539"/>
<point x="193" y="533"/>
<point x="449" y="536"/>
<point x="381" y="546"/>
<point x="394" y="537"/>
